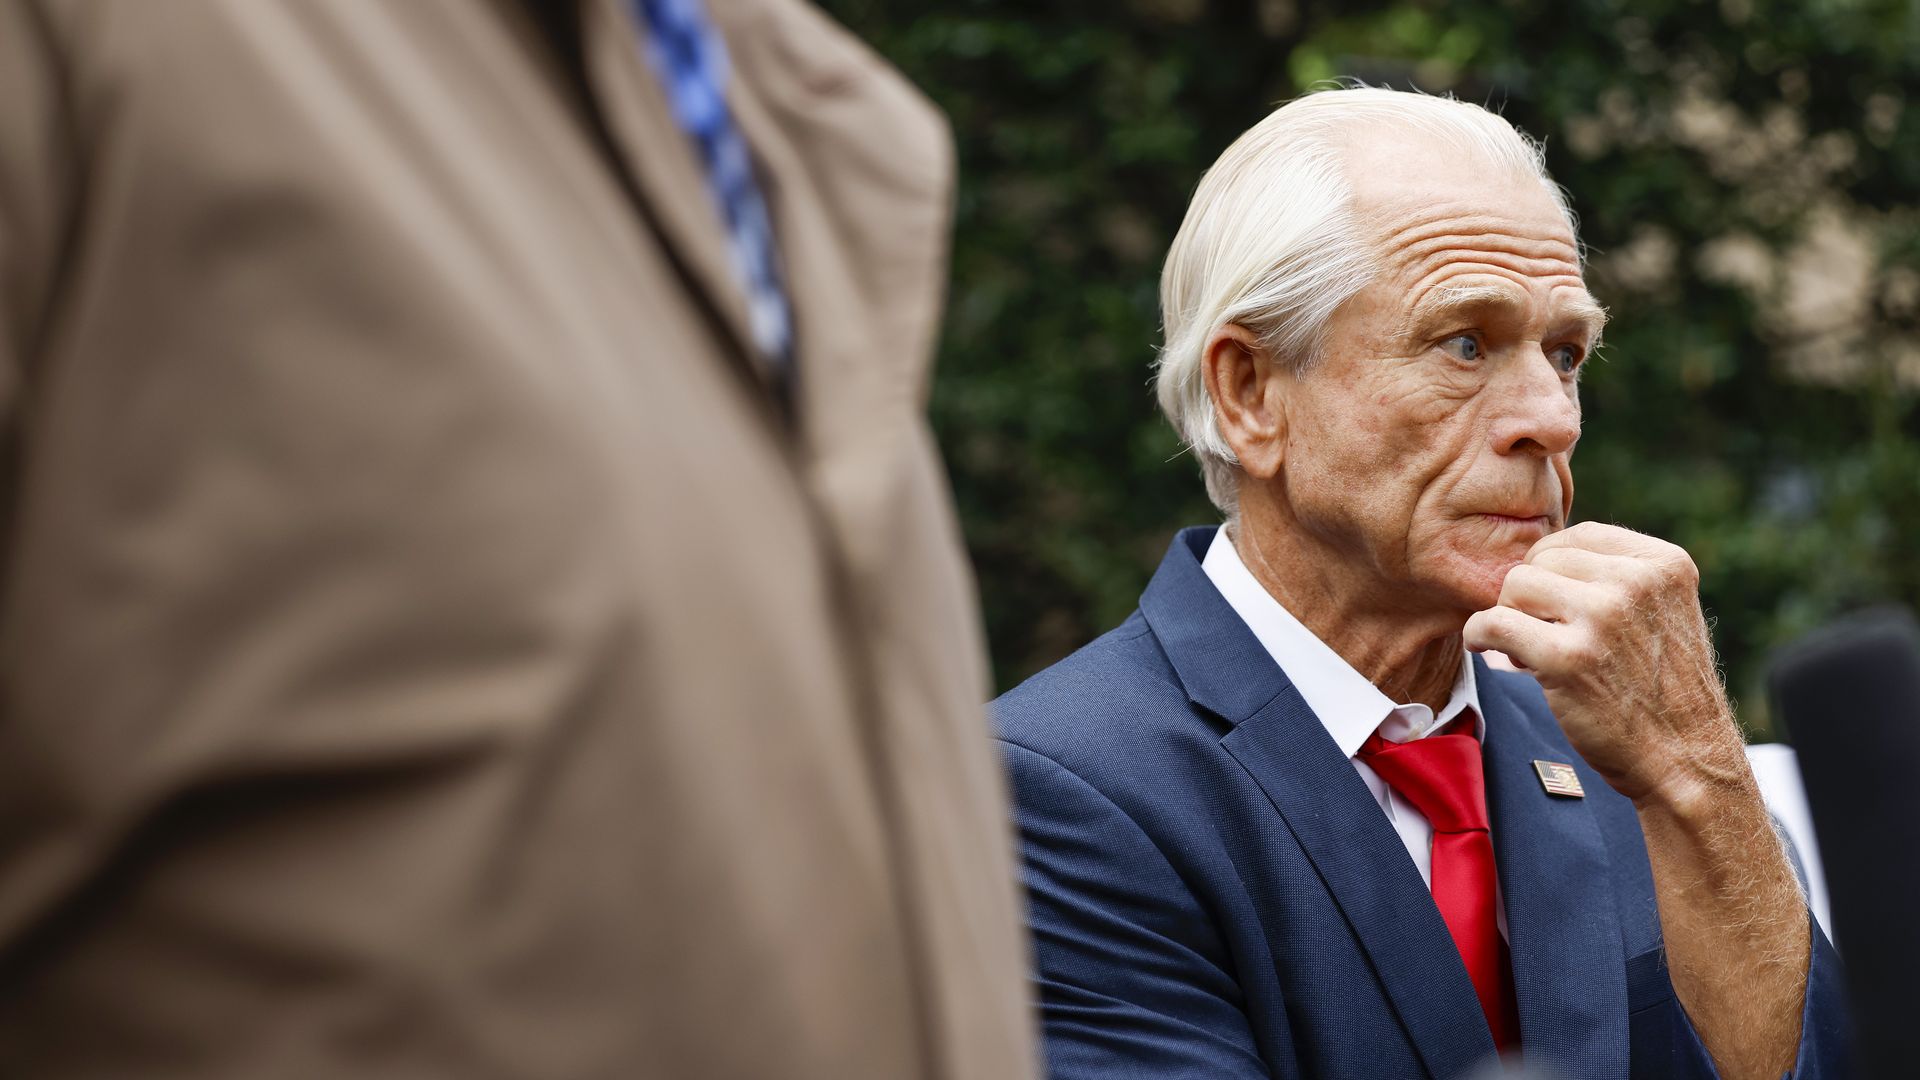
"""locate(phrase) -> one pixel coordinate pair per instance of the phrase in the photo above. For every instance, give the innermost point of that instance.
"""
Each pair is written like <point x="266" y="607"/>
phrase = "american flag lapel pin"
<point x="1559" y="779"/>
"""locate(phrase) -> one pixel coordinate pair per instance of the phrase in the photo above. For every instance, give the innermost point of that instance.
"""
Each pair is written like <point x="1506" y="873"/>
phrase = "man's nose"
<point x="1540" y="413"/>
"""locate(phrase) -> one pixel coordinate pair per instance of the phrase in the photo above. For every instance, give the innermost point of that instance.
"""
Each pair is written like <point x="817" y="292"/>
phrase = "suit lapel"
<point x="1325" y="805"/>
<point x="1563" y="930"/>
<point x="859" y="174"/>
<point x="857" y="170"/>
<point x="1365" y="866"/>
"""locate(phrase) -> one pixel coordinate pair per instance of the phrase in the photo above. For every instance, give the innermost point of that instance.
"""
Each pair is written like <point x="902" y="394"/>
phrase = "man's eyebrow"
<point x="1452" y="300"/>
<point x="1582" y="308"/>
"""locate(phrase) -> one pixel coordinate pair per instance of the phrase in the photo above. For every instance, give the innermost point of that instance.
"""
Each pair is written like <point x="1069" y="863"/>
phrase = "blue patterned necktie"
<point x="691" y="61"/>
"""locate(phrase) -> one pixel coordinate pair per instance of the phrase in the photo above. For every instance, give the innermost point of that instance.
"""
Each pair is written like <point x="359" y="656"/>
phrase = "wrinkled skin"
<point x="1609" y="622"/>
<point x="1410" y="491"/>
<point x="1433" y="438"/>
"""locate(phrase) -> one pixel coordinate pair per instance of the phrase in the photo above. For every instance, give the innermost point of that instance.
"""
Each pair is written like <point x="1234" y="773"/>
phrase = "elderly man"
<point x="1280" y="822"/>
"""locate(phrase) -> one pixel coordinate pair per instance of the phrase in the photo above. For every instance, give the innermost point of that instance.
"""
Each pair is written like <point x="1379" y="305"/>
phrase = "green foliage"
<point x="1745" y="172"/>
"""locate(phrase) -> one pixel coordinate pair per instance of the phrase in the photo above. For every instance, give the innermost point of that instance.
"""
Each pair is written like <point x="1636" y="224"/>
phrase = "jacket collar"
<point x="1347" y="702"/>
<point x="857" y="169"/>
<point x="1221" y="663"/>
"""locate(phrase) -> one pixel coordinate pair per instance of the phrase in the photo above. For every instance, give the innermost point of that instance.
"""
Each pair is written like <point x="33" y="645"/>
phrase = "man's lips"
<point x="1518" y="516"/>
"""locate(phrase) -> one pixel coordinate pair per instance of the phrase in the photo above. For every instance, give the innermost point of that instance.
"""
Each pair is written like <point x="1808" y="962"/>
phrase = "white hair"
<point x="1270" y="242"/>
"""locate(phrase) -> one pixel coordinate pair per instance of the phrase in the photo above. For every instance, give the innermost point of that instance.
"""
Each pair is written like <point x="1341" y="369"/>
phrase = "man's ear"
<point x="1249" y="391"/>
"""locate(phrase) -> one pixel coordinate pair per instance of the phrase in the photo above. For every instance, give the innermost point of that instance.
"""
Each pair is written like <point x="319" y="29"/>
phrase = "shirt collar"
<point x="1347" y="704"/>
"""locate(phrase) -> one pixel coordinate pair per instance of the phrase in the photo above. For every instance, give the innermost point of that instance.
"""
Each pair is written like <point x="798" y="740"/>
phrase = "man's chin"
<point x="1474" y="584"/>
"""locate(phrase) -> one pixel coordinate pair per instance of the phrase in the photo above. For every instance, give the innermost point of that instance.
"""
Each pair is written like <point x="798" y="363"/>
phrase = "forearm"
<point x="1732" y="914"/>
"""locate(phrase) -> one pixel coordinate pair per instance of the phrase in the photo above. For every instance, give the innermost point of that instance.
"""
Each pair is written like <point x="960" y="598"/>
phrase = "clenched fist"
<point x="1609" y="621"/>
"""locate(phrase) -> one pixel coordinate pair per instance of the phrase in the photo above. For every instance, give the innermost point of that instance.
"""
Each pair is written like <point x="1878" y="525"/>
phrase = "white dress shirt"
<point x="1346" y="703"/>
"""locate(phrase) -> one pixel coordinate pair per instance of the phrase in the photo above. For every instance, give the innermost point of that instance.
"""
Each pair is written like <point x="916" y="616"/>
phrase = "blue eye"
<point x="1566" y="358"/>
<point x="1462" y="347"/>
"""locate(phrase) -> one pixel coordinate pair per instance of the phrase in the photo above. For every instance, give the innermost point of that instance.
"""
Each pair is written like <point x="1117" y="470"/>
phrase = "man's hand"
<point x="1609" y="622"/>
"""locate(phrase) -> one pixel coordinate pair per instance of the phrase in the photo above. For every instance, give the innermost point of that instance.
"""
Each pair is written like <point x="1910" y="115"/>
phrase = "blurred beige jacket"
<point x="424" y="649"/>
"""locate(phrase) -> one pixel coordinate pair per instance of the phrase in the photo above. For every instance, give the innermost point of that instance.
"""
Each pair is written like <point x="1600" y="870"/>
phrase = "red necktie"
<point x="1441" y="776"/>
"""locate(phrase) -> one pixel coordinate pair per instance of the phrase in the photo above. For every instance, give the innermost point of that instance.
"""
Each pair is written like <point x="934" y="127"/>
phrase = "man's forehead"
<point x="1412" y="187"/>
<point x="1391" y="164"/>
<point x="1475" y="241"/>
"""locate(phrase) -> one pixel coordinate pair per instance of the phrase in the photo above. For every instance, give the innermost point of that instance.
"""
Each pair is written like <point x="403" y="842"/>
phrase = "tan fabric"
<point x="423" y="651"/>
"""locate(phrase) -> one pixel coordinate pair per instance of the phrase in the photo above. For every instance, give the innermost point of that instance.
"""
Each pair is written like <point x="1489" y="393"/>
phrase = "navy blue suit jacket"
<point x="1215" y="893"/>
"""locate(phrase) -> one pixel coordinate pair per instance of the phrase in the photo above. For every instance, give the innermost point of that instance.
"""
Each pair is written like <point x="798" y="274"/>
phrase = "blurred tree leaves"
<point x="1746" y="171"/>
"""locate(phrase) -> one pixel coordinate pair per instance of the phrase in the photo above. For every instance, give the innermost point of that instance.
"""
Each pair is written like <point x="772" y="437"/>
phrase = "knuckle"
<point x="1514" y="583"/>
<point x="1523" y="575"/>
<point x="1615" y="600"/>
<point x="1685" y="570"/>
<point x="1672" y="559"/>
<point x="1674" y="570"/>
<point x="1651" y="577"/>
<point x="1631" y="583"/>
<point x="1584" y="650"/>
<point x="1582" y="530"/>
<point x="1556" y="559"/>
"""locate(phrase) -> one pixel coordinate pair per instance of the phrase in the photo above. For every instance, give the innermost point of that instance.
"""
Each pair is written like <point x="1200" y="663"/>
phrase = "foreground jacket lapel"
<point x="664" y="166"/>
<point x="1568" y="971"/>
<point x="1326" y="806"/>
<point x="859" y="175"/>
